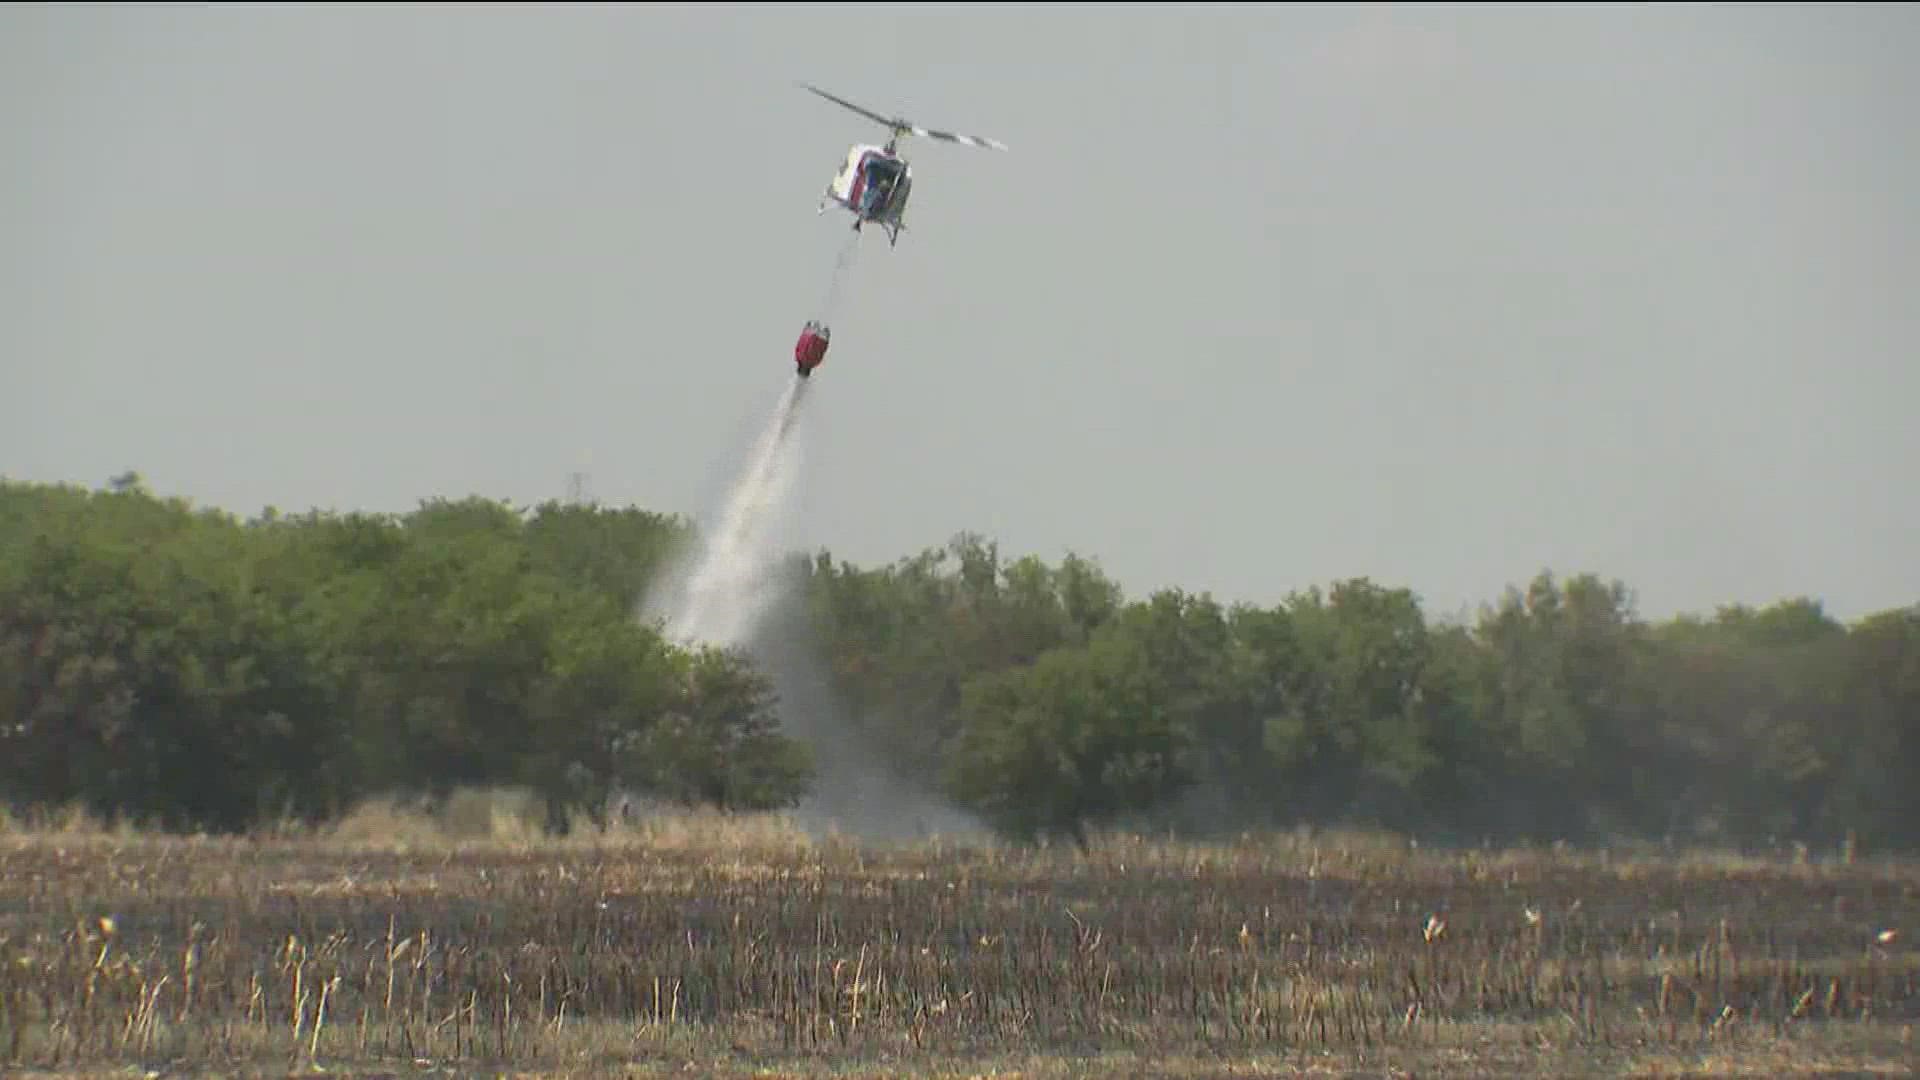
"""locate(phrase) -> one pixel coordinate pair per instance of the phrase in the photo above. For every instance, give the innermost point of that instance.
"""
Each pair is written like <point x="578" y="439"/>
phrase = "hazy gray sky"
<point x="1258" y="299"/>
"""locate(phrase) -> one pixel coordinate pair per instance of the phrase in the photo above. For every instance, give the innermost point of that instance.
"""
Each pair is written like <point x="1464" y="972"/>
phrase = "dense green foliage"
<point x="180" y="667"/>
<point x="1045" y="702"/>
<point x="197" y="671"/>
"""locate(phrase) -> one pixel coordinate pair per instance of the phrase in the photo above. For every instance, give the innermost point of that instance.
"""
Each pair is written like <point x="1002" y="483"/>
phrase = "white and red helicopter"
<point x="874" y="182"/>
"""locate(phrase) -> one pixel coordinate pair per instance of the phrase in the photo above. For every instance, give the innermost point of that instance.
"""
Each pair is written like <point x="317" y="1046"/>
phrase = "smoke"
<point x="856" y="792"/>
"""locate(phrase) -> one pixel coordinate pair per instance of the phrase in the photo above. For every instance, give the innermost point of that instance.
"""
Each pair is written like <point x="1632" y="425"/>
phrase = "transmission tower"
<point x="578" y="493"/>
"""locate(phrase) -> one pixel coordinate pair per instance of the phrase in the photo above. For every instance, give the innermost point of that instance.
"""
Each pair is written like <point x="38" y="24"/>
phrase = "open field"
<point x="388" y="946"/>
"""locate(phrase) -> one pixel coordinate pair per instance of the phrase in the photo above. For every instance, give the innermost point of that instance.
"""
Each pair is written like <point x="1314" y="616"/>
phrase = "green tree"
<point x="1082" y="736"/>
<point x="719" y="744"/>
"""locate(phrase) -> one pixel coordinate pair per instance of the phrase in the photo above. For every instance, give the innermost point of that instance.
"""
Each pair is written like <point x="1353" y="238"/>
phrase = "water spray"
<point x="729" y="586"/>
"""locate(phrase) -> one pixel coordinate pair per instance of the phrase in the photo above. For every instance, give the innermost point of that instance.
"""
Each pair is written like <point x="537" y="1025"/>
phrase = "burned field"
<point x="771" y="952"/>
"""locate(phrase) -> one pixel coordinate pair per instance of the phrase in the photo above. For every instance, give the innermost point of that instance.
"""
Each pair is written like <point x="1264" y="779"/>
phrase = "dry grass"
<point x="398" y="942"/>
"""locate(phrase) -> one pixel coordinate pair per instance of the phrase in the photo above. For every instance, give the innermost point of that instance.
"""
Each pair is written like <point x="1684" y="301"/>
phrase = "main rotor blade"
<point x="969" y="140"/>
<point x="884" y="121"/>
<point x="896" y="124"/>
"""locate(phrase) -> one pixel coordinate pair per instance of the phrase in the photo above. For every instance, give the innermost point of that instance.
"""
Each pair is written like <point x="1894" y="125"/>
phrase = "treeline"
<point x="1044" y="700"/>
<point x="186" y="668"/>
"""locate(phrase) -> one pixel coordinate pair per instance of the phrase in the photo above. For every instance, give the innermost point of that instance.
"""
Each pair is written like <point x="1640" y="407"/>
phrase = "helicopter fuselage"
<point x="873" y="185"/>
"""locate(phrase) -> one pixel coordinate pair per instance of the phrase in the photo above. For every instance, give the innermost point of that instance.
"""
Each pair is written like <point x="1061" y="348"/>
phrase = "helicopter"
<point x="874" y="182"/>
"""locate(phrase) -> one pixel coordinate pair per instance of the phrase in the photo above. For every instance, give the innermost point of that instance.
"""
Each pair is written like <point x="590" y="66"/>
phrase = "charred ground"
<point x="741" y="945"/>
